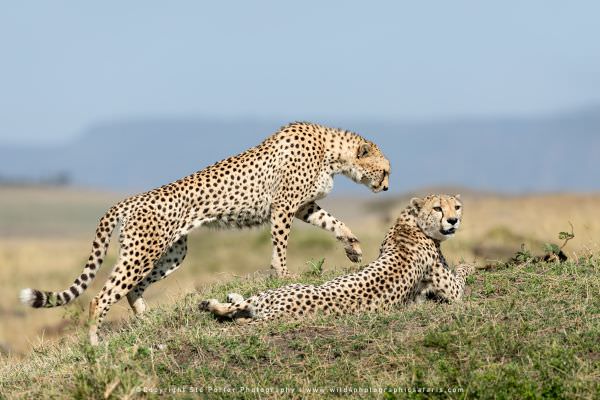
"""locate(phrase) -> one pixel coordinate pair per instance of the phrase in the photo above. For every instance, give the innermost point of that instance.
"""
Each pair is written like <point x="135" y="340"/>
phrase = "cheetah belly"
<point x="196" y="224"/>
<point x="244" y="219"/>
<point x="239" y="217"/>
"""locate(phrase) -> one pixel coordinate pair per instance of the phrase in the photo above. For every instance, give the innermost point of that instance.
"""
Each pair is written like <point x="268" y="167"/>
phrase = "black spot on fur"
<point x="38" y="299"/>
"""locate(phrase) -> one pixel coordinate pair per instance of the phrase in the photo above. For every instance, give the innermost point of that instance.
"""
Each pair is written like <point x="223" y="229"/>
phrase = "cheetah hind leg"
<point x="112" y="292"/>
<point x="236" y="310"/>
<point x="216" y="307"/>
<point x="165" y="266"/>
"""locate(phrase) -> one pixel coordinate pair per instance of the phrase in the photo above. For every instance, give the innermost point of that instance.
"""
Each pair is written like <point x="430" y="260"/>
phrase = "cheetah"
<point x="274" y="182"/>
<point x="409" y="268"/>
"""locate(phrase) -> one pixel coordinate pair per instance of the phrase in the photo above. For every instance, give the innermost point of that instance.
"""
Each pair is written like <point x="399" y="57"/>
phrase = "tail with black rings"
<point x="42" y="299"/>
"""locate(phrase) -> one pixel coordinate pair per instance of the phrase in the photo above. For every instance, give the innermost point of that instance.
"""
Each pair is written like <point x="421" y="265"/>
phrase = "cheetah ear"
<point x="416" y="203"/>
<point x="457" y="196"/>
<point x="363" y="150"/>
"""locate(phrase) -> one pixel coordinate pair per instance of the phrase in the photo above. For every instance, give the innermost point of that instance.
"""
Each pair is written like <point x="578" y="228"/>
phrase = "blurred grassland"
<point x="45" y="237"/>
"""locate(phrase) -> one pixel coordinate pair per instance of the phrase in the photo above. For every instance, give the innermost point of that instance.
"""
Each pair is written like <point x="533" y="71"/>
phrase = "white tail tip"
<point x="27" y="297"/>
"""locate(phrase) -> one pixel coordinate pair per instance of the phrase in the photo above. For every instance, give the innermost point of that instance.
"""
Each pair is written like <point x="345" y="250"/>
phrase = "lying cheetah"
<point x="275" y="182"/>
<point x="410" y="267"/>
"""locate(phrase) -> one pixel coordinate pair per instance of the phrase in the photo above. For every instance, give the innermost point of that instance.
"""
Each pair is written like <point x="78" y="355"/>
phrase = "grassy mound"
<point x="524" y="331"/>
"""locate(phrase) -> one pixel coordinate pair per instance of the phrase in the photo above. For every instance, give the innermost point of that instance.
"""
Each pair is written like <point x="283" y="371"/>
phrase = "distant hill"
<point x="544" y="153"/>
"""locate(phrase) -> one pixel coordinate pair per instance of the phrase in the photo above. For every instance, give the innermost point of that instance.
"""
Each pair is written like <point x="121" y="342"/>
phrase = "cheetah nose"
<point x="385" y="188"/>
<point x="452" y="221"/>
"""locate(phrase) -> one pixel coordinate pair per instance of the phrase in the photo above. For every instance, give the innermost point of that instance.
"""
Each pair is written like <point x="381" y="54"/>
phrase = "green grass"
<point x="523" y="332"/>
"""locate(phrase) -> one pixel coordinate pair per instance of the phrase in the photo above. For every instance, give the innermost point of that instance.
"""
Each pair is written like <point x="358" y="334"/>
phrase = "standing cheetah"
<point x="273" y="182"/>
<point x="410" y="267"/>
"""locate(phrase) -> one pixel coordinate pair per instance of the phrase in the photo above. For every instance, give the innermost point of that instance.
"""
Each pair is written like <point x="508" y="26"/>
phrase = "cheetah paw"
<point x="205" y="305"/>
<point x="94" y="341"/>
<point x="284" y="274"/>
<point x="234" y="298"/>
<point x="353" y="250"/>
<point x="465" y="269"/>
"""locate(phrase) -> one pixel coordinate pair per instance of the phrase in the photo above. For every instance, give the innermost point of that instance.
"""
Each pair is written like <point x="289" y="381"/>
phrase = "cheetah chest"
<point x="323" y="187"/>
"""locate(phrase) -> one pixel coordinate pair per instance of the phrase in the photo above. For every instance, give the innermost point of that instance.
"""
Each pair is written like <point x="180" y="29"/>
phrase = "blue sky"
<point x="66" y="64"/>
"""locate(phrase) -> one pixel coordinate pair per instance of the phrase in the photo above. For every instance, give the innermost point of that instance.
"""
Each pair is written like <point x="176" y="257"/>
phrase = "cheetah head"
<point x="438" y="216"/>
<point x="367" y="165"/>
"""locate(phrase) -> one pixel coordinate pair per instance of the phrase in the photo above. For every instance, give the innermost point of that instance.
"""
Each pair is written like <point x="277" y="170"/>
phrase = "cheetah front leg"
<point x="313" y="214"/>
<point x="449" y="285"/>
<point x="281" y="224"/>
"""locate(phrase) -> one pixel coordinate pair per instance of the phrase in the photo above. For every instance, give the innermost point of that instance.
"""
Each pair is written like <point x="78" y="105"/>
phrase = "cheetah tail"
<point x="38" y="299"/>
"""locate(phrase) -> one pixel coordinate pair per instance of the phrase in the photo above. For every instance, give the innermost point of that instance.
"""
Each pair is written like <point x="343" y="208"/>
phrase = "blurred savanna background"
<point x="500" y="103"/>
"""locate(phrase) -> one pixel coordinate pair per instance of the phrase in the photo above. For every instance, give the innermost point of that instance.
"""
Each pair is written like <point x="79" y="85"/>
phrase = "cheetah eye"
<point x="457" y="208"/>
<point x="438" y="209"/>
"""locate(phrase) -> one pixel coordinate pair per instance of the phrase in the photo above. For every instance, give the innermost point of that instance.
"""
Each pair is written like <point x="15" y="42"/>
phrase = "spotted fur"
<point x="274" y="182"/>
<point x="410" y="267"/>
